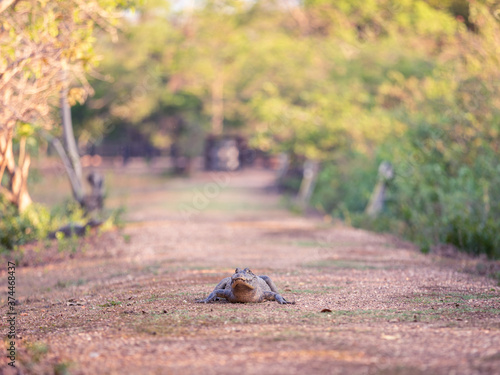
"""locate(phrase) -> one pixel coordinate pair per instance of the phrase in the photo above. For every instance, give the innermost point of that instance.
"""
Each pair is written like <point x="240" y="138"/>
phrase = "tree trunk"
<point x="5" y="144"/>
<point x="69" y="142"/>
<point x="377" y="199"/>
<point x="311" y="169"/>
<point x="64" y="157"/>
<point x="6" y="3"/>
<point x="17" y="191"/>
<point x="20" y="178"/>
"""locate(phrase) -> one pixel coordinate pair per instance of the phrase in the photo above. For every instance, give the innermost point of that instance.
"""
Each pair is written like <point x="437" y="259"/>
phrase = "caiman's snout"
<point x="238" y="280"/>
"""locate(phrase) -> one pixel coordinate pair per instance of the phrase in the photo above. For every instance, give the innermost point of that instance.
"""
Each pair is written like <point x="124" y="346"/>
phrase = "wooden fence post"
<point x="311" y="170"/>
<point x="376" y="203"/>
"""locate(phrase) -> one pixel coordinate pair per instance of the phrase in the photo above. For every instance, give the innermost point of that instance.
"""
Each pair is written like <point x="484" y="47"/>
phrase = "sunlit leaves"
<point x="334" y="81"/>
<point x="39" y="40"/>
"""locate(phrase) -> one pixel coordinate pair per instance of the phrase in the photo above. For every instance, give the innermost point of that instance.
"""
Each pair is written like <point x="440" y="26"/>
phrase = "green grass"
<point x="37" y="350"/>
<point x="111" y="303"/>
<point x="62" y="368"/>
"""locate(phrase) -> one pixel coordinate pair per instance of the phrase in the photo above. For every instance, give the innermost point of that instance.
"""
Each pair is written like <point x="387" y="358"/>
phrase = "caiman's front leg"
<point x="269" y="282"/>
<point x="272" y="296"/>
<point x="221" y="285"/>
<point x="217" y="293"/>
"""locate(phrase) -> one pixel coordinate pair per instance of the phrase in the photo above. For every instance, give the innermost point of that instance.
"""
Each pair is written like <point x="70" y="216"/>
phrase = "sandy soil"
<point x="123" y="302"/>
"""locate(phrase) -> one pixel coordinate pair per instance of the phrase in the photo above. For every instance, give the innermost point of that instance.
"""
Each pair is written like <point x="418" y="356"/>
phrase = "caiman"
<point x="246" y="287"/>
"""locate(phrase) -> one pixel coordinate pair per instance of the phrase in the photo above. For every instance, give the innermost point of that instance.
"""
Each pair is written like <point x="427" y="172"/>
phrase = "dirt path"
<point x="365" y="303"/>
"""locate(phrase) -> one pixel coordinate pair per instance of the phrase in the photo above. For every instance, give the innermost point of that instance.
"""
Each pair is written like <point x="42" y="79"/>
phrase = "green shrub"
<point x="345" y="186"/>
<point x="37" y="222"/>
<point x="68" y="212"/>
<point x="17" y="229"/>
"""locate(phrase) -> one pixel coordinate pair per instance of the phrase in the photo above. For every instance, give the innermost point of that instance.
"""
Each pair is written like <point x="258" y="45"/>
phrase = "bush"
<point x="36" y="222"/>
<point x="344" y="187"/>
<point x="17" y="229"/>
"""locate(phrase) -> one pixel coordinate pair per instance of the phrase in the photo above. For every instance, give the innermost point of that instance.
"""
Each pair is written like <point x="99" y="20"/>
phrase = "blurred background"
<point x="382" y="113"/>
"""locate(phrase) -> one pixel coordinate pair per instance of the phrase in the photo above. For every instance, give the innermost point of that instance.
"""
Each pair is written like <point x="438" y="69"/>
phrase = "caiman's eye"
<point x="237" y="270"/>
<point x="247" y="270"/>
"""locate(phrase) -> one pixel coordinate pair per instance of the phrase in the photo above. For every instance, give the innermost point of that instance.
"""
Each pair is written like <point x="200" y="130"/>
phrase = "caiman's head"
<point x="244" y="278"/>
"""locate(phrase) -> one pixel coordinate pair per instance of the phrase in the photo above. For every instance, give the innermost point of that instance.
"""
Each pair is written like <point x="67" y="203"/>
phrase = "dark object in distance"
<point x="75" y="229"/>
<point x="95" y="200"/>
<point x="244" y="287"/>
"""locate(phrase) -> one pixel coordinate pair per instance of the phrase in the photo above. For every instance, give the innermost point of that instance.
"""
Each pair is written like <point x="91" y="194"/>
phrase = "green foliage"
<point x="36" y="222"/>
<point x="142" y="90"/>
<point x="19" y="228"/>
<point x="44" y="47"/>
<point x="115" y="220"/>
<point x="37" y="350"/>
<point x="346" y="83"/>
<point x="443" y="134"/>
<point x="444" y="187"/>
<point x="345" y="187"/>
<point x="447" y="163"/>
<point x="69" y="212"/>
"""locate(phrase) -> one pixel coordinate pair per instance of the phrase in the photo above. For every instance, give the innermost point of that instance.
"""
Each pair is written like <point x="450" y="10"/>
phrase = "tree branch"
<point x="75" y="182"/>
<point x="4" y="4"/>
<point x="69" y="137"/>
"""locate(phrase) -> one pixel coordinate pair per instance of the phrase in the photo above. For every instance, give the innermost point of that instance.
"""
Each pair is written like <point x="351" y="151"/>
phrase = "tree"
<point x="447" y="162"/>
<point x="43" y="45"/>
<point x="140" y="91"/>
